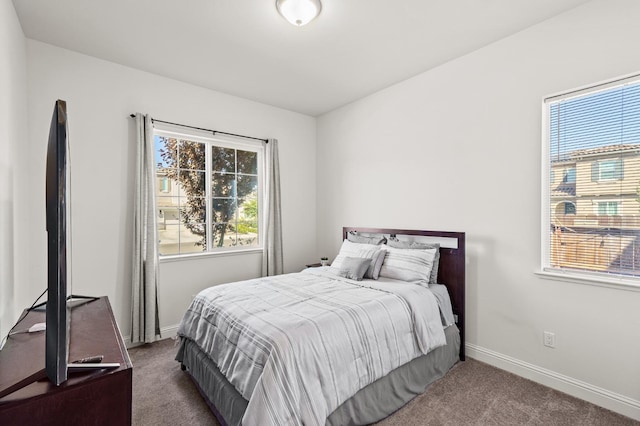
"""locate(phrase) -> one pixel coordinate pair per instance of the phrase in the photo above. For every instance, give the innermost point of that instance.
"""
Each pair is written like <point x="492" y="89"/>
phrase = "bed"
<point x="257" y="359"/>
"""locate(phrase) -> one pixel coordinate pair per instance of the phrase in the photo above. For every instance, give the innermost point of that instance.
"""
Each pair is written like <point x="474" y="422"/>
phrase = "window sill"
<point x="210" y="254"/>
<point x="614" y="283"/>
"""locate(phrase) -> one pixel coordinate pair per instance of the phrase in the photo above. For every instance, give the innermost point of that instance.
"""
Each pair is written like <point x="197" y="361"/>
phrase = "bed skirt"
<point x="372" y="403"/>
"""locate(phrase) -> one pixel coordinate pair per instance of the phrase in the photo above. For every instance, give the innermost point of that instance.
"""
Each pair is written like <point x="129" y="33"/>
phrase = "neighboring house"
<point x="595" y="208"/>
<point x="172" y="237"/>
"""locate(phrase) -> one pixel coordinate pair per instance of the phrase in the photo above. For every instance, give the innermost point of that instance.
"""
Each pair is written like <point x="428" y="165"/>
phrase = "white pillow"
<point x="350" y="249"/>
<point x="408" y="265"/>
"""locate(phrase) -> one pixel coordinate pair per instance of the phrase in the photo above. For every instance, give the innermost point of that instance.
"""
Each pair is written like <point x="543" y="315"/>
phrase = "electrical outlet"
<point x="549" y="339"/>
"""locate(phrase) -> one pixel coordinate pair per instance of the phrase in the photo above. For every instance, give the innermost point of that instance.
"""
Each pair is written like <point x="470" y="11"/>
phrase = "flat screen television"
<point x="59" y="297"/>
<point x="58" y="315"/>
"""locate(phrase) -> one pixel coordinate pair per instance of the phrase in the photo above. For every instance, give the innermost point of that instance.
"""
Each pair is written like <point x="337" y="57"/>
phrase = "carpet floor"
<point x="472" y="393"/>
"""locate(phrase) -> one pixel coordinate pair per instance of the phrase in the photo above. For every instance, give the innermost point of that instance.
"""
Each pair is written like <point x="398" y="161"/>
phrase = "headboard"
<point x="452" y="264"/>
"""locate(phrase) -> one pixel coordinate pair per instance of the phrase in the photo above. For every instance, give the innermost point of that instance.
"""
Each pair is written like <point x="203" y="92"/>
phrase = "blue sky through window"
<point x="604" y="118"/>
<point x="158" y="144"/>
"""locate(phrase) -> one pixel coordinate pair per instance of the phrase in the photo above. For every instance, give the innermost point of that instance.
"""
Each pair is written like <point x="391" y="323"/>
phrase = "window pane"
<point x="602" y="208"/>
<point x="248" y="210"/>
<point x="223" y="235"/>
<point x="247" y="185"/>
<point x="247" y="162"/>
<point x="168" y="225"/>
<point x="192" y="239"/>
<point x="192" y="183"/>
<point x="223" y="159"/>
<point x="569" y="208"/>
<point x="168" y="208"/>
<point x="223" y="185"/>
<point x="169" y="239"/>
<point x="607" y="170"/>
<point x="191" y="155"/>
<point x="165" y="152"/>
<point x="247" y="233"/>
<point x="192" y="210"/>
<point x="168" y="214"/>
<point x="164" y="182"/>
<point x="224" y="209"/>
<point x="570" y="175"/>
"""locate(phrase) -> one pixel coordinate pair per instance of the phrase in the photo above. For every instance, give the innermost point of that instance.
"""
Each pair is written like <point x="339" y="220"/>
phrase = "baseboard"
<point x="165" y="333"/>
<point x="610" y="400"/>
<point x="169" y="332"/>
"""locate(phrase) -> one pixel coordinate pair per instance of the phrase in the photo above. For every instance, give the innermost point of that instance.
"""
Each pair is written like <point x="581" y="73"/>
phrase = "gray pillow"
<point x="377" y="257"/>
<point x="366" y="239"/>
<point x="414" y="245"/>
<point x="354" y="267"/>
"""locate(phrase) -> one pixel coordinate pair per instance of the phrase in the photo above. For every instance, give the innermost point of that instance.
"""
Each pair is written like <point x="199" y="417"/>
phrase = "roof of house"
<point x="604" y="150"/>
<point x="564" y="190"/>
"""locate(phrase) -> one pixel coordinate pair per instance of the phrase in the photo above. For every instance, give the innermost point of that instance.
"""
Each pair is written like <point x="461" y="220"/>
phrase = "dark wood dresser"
<point x="100" y="397"/>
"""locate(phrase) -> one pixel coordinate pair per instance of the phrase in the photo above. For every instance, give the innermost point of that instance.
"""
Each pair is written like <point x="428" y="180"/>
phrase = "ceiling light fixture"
<point x="299" y="12"/>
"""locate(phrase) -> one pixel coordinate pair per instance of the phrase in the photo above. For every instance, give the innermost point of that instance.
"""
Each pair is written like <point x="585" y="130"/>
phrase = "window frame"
<point x="614" y="281"/>
<point x="229" y="142"/>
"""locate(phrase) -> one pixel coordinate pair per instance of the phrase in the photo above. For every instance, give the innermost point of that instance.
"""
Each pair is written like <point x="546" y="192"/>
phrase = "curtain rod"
<point x="153" y="120"/>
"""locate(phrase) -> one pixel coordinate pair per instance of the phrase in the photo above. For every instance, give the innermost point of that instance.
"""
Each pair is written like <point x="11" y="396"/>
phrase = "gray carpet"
<point x="473" y="393"/>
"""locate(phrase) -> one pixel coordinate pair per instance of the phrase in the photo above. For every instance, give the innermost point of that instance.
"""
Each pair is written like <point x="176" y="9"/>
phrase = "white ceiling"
<point x="245" y="48"/>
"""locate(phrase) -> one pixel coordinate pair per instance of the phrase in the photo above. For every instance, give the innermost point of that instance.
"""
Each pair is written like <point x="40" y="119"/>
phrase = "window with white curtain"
<point x="209" y="196"/>
<point x="591" y="182"/>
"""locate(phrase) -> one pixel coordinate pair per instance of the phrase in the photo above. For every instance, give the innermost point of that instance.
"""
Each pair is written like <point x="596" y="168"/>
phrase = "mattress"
<point x="372" y="403"/>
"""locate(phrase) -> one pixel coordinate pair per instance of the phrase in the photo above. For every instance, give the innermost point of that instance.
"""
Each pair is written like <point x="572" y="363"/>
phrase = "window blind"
<point x="593" y="202"/>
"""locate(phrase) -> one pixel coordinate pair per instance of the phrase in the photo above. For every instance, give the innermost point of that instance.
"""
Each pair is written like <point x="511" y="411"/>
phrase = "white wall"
<point x="458" y="148"/>
<point x="13" y="131"/>
<point x="100" y="96"/>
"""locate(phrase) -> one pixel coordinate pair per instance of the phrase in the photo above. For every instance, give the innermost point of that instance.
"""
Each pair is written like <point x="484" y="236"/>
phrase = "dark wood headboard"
<point x="450" y="273"/>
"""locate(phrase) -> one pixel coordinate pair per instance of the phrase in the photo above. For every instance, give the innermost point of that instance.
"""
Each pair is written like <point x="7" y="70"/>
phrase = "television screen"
<point x="58" y="247"/>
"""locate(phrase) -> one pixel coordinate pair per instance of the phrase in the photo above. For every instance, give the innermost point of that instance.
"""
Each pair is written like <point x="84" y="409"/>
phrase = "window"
<point x="591" y="226"/>
<point x="569" y="175"/>
<point x="607" y="170"/>
<point x="607" y="208"/>
<point x="165" y="184"/>
<point x="210" y="193"/>
<point x="569" y="208"/>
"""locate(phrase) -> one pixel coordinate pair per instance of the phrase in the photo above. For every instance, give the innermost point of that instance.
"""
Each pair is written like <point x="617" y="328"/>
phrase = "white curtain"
<point x="145" y="325"/>
<point x="272" y="263"/>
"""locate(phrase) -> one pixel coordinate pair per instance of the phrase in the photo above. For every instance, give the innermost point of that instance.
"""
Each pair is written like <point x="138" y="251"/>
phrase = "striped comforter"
<point x="296" y="346"/>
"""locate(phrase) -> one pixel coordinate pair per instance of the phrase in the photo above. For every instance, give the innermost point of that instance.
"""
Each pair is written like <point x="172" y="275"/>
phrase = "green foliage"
<point x="246" y="228"/>
<point x="250" y="208"/>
